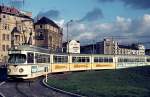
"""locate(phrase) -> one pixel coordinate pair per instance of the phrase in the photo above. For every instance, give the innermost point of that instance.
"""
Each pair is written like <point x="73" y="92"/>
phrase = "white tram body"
<point x="27" y="62"/>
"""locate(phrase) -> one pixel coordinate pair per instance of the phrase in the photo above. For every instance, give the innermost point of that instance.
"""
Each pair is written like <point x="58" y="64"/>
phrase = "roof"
<point x="15" y="30"/>
<point x="45" y="20"/>
<point x="12" y="11"/>
<point x="128" y="47"/>
<point x="29" y="48"/>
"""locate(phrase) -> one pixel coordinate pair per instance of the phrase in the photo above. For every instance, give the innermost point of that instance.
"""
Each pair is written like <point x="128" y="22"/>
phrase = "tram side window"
<point x="142" y="59"/>
<point x="98" y="59"/>
<point x="42" y="58"/>
<point x="60" y="59"/>
<point x="80" y="59"/>
<point x="110" y="59"/>
<point x="103" y="59"/>
<point x="30" y="57"/>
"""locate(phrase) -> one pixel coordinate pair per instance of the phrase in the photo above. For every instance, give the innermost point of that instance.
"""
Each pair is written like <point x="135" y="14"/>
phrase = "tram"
<point x="28" y="62"/>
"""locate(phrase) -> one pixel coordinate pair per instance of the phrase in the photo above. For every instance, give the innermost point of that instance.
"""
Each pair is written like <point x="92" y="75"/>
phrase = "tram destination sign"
<point x="14" y="52"/>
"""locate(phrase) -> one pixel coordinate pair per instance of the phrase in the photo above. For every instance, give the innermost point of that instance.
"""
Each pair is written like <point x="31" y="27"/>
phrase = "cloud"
<point x="52" y="14"/>
<point x="124" y="29"/>
<point x="93" y="15"/>
<point x="136" y="4"/>
<point x="60" y="22"/>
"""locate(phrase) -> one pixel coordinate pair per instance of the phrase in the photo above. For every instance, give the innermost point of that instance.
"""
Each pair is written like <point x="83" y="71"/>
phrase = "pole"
<point x="46" y="77"/>
<point x="68" y="34"/>
<point x="67" y="39"/>
<point x="46" y="72"/>
<point x="93" y="47"/>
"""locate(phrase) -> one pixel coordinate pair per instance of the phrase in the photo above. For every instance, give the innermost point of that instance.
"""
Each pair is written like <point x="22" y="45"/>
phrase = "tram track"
<point x="26" y="89"/>
<point x="29" y="89"/>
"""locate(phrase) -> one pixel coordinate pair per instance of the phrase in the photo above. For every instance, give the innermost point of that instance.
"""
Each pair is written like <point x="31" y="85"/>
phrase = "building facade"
<point x="16" y="28"/>
<point x="48" y="34"/>
<point x="109" y="46"/>
<point x="72" y="46"/>
<point x="147" y="52"/>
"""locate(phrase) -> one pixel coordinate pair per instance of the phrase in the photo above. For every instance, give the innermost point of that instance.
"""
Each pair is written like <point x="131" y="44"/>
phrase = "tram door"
<point x="45" y="69"/>
<point x="30" y="57"/>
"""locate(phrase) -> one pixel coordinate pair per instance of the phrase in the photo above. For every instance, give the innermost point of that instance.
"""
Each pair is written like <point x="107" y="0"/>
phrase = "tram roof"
<point x="30" y="48"/>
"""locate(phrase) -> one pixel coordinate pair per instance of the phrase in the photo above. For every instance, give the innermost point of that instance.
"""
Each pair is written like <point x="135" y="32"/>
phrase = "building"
<point x="16" y="28"/>
<point x="88" y="49"/>
<point x="109" y="46"/>
<point x="48" y="34"/>
<point x="72" y="46"/>
<point x="147" y="52"/>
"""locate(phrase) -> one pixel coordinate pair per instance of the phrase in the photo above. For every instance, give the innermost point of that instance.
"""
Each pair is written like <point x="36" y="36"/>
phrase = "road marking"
<point x="2" y="83"/>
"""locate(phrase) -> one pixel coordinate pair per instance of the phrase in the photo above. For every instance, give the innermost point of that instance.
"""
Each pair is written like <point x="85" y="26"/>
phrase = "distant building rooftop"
<point x="128" y="47"/>
<point x="45" y="20"/>
<point x="12" y="11"/>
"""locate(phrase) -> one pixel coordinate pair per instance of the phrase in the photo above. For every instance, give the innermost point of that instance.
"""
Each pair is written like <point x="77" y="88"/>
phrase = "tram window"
<point x="80" y="59"/>
<point x="137" y="60"/>
<point x="17" y="58"/>
<point x="30" y="58"/>
<point x="110" y="59"/>
<point x="103" y="59"/>
<point x="95" y="59"/>
<point x="42" y="58"/>
<point x="142" y="60"/>
<point x="60" y="59"/>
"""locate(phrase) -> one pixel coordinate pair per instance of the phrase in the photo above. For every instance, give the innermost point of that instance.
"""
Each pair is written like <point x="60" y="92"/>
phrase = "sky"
<point x="125" y="20"/>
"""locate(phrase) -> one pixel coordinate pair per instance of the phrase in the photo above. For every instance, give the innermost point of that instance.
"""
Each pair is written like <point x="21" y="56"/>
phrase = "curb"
<point x="2" y="83"/>
<point x="62" y="91"/>
<point x="1" y="95"/>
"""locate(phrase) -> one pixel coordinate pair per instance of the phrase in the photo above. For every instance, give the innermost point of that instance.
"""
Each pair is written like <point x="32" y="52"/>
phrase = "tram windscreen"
<point x="17" y="58"/>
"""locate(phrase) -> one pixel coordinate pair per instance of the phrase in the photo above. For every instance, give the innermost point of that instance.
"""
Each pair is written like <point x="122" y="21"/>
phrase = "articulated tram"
<point x="27" y="62"/>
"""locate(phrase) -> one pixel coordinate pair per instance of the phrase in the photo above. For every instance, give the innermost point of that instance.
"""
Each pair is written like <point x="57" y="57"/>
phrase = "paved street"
<point x="28" y="89"/>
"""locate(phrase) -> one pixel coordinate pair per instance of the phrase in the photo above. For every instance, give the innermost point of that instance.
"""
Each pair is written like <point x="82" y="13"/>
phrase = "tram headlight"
<point x="21" y="70"/>
<point x="8" y="70"/>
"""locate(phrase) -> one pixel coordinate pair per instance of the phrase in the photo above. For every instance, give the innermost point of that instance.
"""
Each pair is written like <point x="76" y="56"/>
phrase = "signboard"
<point x="14" y="52"/>
<point x="34" y="69"/>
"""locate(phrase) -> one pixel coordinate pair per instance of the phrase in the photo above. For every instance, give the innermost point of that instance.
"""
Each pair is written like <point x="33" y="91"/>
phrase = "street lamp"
<point x="68" y="34"/>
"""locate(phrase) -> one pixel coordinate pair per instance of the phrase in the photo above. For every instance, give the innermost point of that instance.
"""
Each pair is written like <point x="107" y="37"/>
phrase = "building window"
<point x="8" y="37"/>
<point x="5" y="26"/>
<point x="4" y="16"/>
<point x="3" y="37"/>
<point x="17" y="38"/>
<point x="3" y="47"/>
<point x="40" y="36"/>
<point x="8" y="27"/>
<point x="19" y="28"/>
<point x="40" y="26"/>
<point x="7" y="47"/>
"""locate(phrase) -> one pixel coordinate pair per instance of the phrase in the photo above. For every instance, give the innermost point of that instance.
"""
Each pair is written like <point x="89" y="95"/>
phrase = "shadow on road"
<point x="3" y="73"/>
